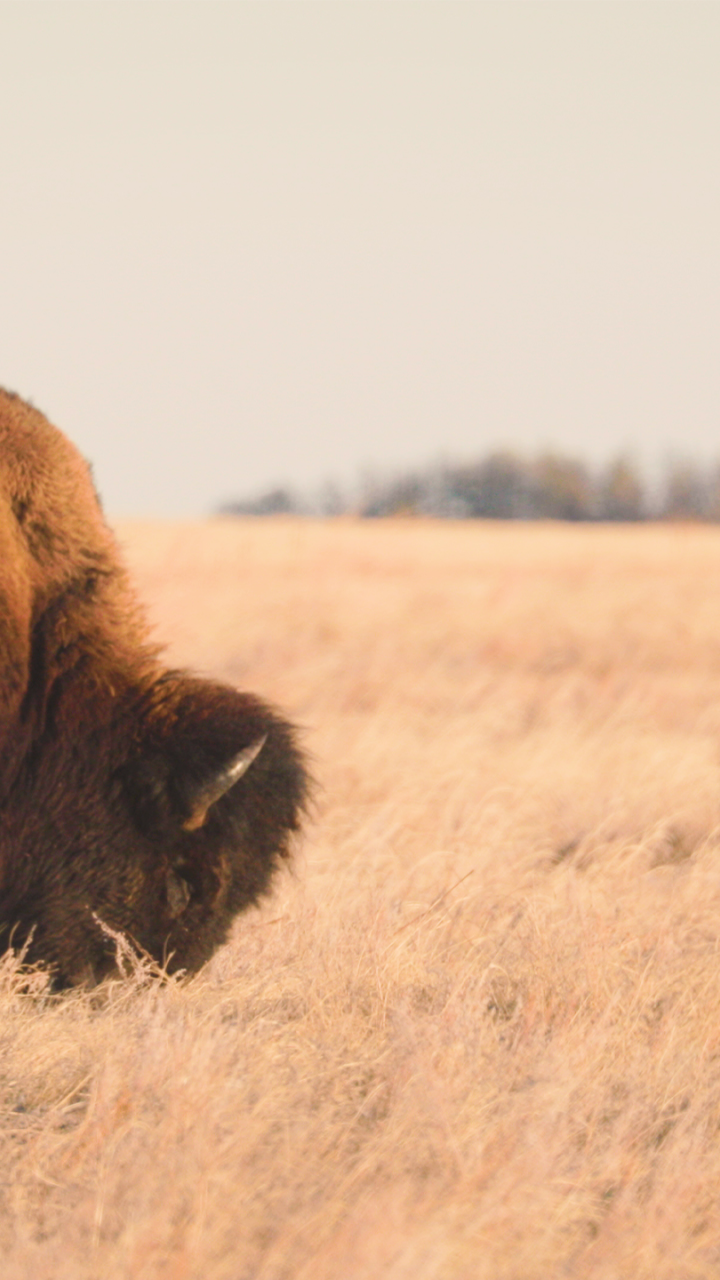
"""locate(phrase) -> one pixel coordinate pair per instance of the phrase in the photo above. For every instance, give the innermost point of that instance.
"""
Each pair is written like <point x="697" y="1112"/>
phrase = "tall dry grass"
<point x="476" y="1034"/>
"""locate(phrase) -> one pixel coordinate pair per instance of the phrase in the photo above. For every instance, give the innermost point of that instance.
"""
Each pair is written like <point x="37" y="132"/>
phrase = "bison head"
<point x="133" y="798"/>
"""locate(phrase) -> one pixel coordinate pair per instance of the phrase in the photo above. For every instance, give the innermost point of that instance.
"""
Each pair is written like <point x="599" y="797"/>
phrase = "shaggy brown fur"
<point x="111" y="766"/>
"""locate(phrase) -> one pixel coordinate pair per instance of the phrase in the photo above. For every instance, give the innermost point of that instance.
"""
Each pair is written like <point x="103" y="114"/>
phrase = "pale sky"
<point x="244" y="244"/>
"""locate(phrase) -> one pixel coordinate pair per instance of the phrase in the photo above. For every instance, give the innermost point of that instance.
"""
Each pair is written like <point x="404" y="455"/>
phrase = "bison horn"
<point x="222" y="782"/>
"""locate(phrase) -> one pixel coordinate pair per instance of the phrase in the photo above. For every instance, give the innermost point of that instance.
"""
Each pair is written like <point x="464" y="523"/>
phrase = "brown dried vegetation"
<point x="477" y="1033"/>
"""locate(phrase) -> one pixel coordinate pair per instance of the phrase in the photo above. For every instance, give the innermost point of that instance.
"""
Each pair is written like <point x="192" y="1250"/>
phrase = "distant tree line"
<point x="505" y="486"/>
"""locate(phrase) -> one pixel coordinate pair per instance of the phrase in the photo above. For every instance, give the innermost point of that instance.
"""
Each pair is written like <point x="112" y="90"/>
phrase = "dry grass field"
<point x="475" y="1034"/>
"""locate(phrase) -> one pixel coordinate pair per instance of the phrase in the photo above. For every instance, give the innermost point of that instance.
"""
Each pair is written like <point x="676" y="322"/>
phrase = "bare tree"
<point x="620" y="492"/>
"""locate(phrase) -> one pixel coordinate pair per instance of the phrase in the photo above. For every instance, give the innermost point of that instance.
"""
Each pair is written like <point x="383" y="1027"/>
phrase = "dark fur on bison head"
<point x="133" y="799"/>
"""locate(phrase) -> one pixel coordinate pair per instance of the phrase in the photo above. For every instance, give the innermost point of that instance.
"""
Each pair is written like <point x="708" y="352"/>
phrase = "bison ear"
<point x="211" y="791"/>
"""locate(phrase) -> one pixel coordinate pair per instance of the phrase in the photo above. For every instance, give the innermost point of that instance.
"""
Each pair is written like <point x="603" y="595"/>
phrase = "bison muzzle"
<point x="133" y="799"/>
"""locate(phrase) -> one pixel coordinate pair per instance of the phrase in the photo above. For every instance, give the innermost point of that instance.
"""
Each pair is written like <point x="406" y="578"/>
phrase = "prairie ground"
<point x="475" y="1033"/>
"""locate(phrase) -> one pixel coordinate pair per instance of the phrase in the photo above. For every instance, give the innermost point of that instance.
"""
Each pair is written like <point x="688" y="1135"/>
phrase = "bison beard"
<point x="146" y="800"/>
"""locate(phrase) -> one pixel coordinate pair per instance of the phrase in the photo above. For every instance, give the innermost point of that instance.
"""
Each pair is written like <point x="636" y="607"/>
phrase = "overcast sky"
<point x="244" y="244"/>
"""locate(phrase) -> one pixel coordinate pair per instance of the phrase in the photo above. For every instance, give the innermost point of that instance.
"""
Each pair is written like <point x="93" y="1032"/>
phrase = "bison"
<point x="134" y="799"/>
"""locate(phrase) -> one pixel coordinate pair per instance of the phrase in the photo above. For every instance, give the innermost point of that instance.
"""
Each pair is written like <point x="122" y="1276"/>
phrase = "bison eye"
<point x="178" y="893"/>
